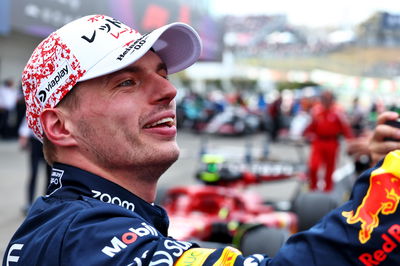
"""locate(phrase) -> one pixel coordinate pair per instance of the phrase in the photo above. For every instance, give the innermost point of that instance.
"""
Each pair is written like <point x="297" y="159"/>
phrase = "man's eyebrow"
<point x="135" y="69"/>
<point x="132" y="69"/>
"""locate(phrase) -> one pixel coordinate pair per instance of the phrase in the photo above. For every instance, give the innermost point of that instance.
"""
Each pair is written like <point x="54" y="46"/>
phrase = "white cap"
<point x="94" y="46"/>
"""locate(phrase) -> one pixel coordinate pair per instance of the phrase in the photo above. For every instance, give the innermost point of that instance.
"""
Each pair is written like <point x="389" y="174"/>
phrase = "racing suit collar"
<point x="71" y="182"/>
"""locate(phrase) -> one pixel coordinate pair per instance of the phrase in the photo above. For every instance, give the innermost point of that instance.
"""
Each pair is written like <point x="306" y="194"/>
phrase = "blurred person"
<point x="301" y="119"/>
<point x="357" y="118"/>
<point x="377" y="107"/>
<point x="195" y="112"/>
<point x="356" y="147"/>
<point x="275" y="115"/>
<point x="298" y="124"/>
<point x="29" y="142"/>
<point x="261" y="103"/>
<point x="108" y="129"/>
<point x="8" y="101"/>
<point x="20" y="110"/>
<point x="327" y="124"/>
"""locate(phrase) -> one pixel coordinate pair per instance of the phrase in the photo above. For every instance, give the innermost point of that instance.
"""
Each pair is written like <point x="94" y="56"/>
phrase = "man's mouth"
<point x="165" y="122"/>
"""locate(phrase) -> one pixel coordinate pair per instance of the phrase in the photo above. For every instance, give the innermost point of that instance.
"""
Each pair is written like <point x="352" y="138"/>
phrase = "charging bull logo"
<point x="382" y="197"/>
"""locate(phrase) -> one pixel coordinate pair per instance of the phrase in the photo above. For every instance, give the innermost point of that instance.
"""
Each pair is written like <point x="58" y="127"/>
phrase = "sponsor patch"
<point x="136" y="45"/>
<point x="382" y="197"/>
<point x="51" y="83"/>
<point x="118" y="244"/>
<point x="391" y="240"/>
<point x="104" y="197"/>
<point x="55" y="180"/>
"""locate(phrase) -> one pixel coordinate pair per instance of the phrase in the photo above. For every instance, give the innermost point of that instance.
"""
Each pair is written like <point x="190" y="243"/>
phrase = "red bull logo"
<point x="382" y="197"/>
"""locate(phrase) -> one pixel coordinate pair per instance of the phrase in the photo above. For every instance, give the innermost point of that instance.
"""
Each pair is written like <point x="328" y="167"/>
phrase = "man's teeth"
<point x="168" y="120"/>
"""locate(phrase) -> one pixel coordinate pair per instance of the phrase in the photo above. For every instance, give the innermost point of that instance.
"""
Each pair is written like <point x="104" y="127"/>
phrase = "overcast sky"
<point x="311" y="12"/>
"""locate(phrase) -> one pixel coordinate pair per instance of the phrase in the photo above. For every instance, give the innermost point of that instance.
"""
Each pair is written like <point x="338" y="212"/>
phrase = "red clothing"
<point x="326" y="126"/>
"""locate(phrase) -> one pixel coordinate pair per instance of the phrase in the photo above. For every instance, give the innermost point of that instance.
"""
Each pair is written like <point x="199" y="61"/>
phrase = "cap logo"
<point x="136" y="45"/>
<point x="52" y="83"/>
<point x="110" y="26"/>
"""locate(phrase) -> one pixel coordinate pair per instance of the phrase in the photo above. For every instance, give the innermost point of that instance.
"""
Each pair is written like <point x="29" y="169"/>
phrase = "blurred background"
<point x="262" y="68"/>
<point x="350" y="46"/>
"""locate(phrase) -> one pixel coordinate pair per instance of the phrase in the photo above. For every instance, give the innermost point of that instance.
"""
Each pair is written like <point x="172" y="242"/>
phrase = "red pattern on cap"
<point x="45" y="61"/>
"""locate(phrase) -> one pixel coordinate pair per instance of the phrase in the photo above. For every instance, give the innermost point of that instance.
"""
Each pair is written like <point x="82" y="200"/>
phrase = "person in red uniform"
<point x="327" y="124"/>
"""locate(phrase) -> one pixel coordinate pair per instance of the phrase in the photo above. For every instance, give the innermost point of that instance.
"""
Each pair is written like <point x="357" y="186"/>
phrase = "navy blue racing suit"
<point x="88" y="220"/>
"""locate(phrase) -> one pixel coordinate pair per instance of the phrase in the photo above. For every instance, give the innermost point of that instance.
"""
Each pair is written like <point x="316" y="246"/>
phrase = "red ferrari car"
<point x="194" y="210"/>
<point x="223" y="211"/>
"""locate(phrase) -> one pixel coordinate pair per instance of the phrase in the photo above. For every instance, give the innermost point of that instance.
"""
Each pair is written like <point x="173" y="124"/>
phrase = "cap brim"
<point x="177" y="44"/>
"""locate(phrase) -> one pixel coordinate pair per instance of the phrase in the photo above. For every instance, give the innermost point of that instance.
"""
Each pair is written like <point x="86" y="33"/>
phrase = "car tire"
<point x="311" y="207"/>
<point x="262" y="240"/>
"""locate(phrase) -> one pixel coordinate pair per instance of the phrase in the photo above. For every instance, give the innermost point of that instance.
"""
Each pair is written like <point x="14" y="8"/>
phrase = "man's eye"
<point x="128" y="82"/>
<point x="164" y="75"/>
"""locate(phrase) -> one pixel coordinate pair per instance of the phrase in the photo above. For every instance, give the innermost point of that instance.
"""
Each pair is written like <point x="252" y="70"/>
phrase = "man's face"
<point x="126" y="120"/>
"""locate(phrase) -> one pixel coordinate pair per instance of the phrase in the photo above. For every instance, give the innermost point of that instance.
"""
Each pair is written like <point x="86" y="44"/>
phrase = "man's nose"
<point x="164" y="91"/>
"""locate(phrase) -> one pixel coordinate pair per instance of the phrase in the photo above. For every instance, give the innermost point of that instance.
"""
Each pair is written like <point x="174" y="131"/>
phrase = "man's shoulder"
<point x="55" y="223"/>
<point x="54" y="216"/>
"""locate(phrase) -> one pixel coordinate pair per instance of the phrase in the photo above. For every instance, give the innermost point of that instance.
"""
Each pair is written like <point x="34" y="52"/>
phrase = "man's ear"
<point x="55" y="127"/>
